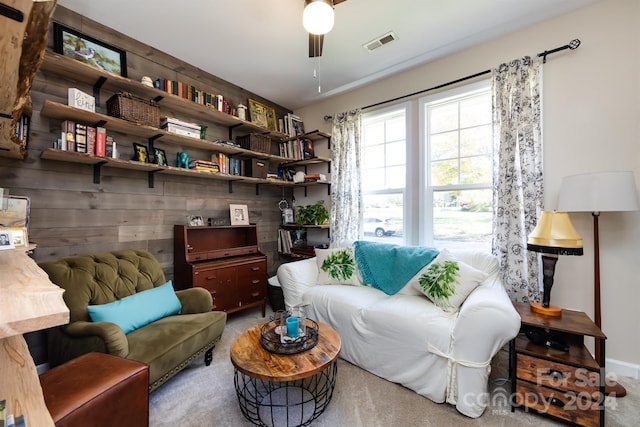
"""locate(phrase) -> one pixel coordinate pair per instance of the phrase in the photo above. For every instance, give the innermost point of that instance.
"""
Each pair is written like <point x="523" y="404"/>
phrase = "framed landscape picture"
<point x="262" y="115"/>
<point x="74" y="44"/>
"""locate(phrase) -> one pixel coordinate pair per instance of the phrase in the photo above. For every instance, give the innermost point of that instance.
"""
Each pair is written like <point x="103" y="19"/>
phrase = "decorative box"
<point x="257" y="168"/>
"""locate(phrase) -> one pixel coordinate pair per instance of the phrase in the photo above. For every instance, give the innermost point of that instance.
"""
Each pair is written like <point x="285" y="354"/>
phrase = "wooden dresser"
<point x="226" y="261"/>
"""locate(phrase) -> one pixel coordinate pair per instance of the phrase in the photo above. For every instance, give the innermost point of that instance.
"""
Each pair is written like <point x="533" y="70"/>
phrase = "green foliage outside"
<point x="439" y="282"/>
<point x="339" y="265"/>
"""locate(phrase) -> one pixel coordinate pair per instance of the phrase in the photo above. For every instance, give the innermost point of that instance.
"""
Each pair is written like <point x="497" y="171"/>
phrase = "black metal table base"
<point x="286" y="403"/>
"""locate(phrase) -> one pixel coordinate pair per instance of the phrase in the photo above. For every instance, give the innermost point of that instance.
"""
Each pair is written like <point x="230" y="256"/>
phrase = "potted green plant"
<point x="315" y="214"/>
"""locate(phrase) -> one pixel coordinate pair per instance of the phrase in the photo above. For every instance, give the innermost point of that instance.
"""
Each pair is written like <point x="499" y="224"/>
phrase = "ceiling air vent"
<point x="380" y="41"/>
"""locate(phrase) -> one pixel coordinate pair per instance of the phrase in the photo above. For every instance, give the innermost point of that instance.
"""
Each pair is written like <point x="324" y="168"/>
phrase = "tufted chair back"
<point x="103" y="278"/>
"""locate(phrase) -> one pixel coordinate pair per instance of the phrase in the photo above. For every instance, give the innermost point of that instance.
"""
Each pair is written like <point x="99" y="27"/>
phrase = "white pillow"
<point x="323" y="276"/>
<point x="467" y="279"/>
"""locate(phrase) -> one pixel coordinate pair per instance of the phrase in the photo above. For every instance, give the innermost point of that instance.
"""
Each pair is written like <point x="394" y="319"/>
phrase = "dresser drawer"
<point x="558" y="375"/>
<point x="569" y="406"/>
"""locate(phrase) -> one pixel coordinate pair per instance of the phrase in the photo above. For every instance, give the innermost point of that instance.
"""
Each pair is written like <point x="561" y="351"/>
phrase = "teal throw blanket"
<point x="389" y="267"/>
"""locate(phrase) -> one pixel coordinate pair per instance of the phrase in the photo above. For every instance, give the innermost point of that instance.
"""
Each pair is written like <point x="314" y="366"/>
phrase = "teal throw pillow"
<point x="138" y="310"/>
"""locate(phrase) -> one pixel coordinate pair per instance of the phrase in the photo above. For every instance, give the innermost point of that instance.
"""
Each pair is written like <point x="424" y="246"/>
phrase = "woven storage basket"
<point x="134" y="109"/>
<point x="255" y="142"/>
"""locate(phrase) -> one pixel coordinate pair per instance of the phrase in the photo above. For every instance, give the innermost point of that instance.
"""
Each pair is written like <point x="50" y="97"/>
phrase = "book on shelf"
<point x="204" y="165"/>
<point x="68" y="128"/>
<point x="81" y="138"/>
<point x="91" y="140"/>
<point x="101" y="141"/>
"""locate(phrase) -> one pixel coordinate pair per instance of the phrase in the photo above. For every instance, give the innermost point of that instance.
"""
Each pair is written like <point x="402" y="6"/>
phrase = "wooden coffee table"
<point x="284" y="389"/>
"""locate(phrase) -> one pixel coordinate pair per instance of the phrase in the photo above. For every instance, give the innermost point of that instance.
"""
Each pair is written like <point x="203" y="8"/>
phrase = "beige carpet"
<point x="203" y="396"/>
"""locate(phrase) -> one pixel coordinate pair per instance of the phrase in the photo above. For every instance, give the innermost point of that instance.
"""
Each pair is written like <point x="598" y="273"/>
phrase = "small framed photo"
<point x="74" y="44"/>
<point x="239" y="214"/>
<point x="195" y="220"/>
<point x="6" y="239"/>
<point x="19" y="236"/>
<point x="159" y="157"/>
<point x="140" y="153"/>
<point x="263" y="115"/>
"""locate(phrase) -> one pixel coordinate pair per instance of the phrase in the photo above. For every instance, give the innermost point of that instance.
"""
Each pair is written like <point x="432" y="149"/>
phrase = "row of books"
<point x="297" y="149"/>
<point x="229" y="165"/>
<point x="9" y="420"/>
<point x="291" y="125"/>
<point x="22" y="129"/>
<point x="87" y="139"/>
<point x="289" y="239"/>
<point x="192" y="93"/>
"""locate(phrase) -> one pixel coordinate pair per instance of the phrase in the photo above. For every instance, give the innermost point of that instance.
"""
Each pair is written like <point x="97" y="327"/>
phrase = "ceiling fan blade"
<point x="335" y="2"/>
<point x="315" y="45"/>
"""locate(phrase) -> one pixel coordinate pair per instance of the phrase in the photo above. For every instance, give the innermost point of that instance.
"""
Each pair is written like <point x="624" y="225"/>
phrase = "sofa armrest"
<point x="114" y="338"/>
<point x="486" y="322"/>
<point x="295" y="278"/>
<point x="195" y="300"/>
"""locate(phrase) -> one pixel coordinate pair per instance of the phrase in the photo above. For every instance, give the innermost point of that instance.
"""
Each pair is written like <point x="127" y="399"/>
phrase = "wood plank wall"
<point x="70" y="215"/>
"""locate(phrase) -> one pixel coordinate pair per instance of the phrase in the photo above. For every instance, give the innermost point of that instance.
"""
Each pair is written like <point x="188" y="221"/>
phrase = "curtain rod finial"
<point x="327" y="118"/>
<point x="573" y="44"/>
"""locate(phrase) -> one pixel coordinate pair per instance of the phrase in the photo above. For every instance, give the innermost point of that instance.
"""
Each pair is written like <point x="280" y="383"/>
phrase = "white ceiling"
<point x="260" y="45"/>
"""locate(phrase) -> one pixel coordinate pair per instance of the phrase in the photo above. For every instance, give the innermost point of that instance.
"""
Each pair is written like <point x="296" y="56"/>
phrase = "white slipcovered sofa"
<point x="405" y="338"/>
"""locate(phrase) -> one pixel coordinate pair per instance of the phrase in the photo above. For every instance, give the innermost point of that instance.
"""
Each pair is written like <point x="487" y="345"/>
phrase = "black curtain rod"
<point x="573" y="44"/>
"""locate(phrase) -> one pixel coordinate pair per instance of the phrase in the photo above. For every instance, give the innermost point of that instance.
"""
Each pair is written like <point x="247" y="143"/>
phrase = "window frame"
<point x="426" y="190"/>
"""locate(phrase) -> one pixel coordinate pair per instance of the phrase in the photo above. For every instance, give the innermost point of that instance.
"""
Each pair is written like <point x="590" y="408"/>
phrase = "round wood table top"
<point x="250" y="358"/>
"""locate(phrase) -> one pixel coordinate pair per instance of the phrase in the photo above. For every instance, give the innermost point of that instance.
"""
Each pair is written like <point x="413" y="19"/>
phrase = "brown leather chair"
<point x="97" y="390"/>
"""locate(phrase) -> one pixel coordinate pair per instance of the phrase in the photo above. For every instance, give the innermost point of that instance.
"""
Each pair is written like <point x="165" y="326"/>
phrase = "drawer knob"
<point x="555" y="401"/>
<point x="555" y="374"/>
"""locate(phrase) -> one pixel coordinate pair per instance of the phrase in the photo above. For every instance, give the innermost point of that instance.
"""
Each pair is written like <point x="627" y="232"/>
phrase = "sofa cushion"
<point x="338" y="262"/>
<point x="466" y="279"/>
<point x="138" y="310"/>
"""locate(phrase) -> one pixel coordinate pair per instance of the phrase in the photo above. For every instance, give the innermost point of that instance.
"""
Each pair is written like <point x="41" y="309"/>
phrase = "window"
<point x="384" y="174"/>
<point x="458" y="146"/>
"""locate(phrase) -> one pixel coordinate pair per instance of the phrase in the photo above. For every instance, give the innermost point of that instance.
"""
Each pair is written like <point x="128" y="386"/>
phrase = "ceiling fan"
<point x="317" y="19"/>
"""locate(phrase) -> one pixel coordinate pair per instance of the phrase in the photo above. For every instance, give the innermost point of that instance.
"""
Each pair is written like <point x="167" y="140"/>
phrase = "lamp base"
<point x="615" y="389"/>
<point x="552" y="310"/>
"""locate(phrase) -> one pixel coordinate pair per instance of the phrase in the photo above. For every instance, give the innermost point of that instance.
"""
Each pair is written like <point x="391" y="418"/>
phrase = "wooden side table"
<point x="284" y="389"/>
<point x="568" y="385"/>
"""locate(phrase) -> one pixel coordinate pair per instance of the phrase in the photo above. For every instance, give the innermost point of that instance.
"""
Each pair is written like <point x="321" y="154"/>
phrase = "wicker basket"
<point x="255" y="142"/>
<point x="134" y="109"/>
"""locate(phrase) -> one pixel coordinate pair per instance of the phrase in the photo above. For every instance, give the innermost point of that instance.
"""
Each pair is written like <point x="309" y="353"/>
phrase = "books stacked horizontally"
<point x="180" y="127"/>
<point x="315" y="177"/>
<point x="204" y="165"/>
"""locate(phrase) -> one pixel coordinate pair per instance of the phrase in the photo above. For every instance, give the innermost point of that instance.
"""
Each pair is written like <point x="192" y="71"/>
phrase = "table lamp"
<point x="599" y="192"/>
<point x="554" y="235"/>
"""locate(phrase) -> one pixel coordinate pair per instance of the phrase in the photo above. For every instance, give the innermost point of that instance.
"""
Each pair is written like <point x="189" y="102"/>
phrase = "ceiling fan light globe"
<point x="317" y="17"/>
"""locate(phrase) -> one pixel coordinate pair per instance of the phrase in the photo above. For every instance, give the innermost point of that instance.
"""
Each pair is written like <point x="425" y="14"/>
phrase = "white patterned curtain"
<point x="346" y="192"/>
<point x="517" y="176"/>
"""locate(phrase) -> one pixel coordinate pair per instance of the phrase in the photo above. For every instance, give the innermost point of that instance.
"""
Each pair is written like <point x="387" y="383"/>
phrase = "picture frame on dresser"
<point x="239" y="214"/>
<point x="262" y="115"/>
<point x="81" y="47"/>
